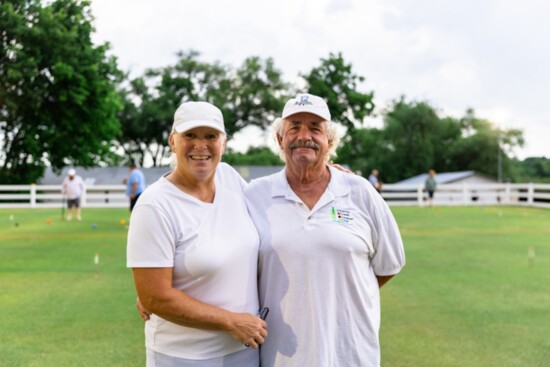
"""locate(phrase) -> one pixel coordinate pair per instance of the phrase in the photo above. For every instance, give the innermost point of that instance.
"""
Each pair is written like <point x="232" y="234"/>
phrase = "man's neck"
<point x="308" y="183"/>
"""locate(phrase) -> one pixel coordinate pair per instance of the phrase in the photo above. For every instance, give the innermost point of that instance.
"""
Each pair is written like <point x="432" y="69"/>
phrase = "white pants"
<point x="244" y="358"/>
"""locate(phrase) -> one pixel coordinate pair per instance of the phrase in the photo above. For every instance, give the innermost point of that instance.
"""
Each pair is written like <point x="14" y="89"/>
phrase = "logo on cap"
<point x="304" y="101"/>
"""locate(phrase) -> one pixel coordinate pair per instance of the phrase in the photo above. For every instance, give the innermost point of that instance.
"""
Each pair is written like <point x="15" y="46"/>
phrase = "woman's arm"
<point x="155" y="291"/>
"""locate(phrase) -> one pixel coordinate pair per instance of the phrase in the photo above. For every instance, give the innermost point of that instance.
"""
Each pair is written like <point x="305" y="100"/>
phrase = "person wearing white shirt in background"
<point x="73" y="187"/>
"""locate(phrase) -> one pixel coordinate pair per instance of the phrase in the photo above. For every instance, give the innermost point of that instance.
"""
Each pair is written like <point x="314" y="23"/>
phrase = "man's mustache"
<point x="304" y="144"/>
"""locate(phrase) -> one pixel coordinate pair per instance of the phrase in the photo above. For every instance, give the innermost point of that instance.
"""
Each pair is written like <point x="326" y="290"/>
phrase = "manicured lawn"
<point x="467" y="296"/>
<point x="54" y="311"/>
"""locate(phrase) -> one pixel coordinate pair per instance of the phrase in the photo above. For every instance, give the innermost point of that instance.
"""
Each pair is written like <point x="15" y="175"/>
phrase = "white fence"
<point x="114" y="196"/>
<point x="49" y="196"/>
<point x="525" y="194"/>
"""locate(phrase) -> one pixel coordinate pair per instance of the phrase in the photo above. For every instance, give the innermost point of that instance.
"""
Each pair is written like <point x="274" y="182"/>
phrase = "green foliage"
<point x="413" y="134"/>
<point x="415" y="138"/>
<point x="335" y="81"/>
<point x="532" y="169"/>
<point x="57" y="96"/>
<point x="249" y="95"/>
<point x="362" y="150"/>
<point x="254" y="156"/>
<point x="480" y="145"/>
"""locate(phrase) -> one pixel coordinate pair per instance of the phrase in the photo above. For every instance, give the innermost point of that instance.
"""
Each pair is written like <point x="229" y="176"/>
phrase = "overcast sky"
<point x="490" y="55"/>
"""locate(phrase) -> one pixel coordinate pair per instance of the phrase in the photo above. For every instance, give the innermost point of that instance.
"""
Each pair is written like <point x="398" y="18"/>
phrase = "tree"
<point x="363" y="150"/>
<point x="335" y="81"/>
<point x="415" y="139"/>
<point x="249" y="95"/>
<point x="481" y="144"/>
<point x="58" y="100"/>
<point x="532" y="169"/>
<point x="254" y="156"/>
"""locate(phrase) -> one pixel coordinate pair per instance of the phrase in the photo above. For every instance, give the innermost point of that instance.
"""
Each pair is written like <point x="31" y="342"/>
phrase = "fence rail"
<point x="50" y="196"/>
<point x="114" y="196"/>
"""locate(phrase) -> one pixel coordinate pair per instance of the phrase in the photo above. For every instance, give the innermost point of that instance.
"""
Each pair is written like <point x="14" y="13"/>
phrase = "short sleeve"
<point x="389" y="255"/>
<point x="151" y="240"/>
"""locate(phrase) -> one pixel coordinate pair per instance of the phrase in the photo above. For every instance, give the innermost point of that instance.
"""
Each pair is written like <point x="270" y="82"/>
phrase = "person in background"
<point x="328" y="243"/>
<point x="430" y="186"/>
<point x="373" y="179"/>
<point x="73" y="187"/>
<point x="135" y="184"/>
<point x="193" y="250"/>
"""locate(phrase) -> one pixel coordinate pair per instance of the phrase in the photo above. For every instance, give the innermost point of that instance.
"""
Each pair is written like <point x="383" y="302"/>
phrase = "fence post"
<point x="419" y="195"/>
<point x="507" y="194"/>
<point x="33" y="195"/>
<point x="530" y="193"/>
<point x="465" y="200"/>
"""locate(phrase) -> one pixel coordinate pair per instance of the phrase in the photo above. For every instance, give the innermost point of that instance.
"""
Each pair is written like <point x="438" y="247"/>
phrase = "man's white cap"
<point x="190" y="115"/>
<point x="71" y="172"/>
<point x="307" y="103"/>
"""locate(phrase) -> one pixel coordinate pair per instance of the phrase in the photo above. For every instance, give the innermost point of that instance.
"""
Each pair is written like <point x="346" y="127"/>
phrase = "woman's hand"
<point x="248" y="329"/>
<point x="144" y="314"/>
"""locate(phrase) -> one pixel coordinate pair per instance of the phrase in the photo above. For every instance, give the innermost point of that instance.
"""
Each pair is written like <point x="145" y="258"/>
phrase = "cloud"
<point x="490" y="55"/>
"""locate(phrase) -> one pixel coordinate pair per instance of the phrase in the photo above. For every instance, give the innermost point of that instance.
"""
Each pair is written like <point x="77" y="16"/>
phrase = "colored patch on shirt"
<point x="341" y="215"/>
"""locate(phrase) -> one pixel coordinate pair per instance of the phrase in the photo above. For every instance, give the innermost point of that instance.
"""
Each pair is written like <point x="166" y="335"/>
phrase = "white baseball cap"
<point x="309" y="103"/>
<point x="190" y="115"/>
<point x="71" y="172"/>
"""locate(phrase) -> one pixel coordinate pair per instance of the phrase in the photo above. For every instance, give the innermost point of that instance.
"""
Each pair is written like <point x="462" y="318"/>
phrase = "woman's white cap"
<point x="190" y="115"/>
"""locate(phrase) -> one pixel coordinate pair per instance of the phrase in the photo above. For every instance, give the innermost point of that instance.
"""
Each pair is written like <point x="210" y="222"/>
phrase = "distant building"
<point x="467" y="177"/>
<point x="114" y="175"/>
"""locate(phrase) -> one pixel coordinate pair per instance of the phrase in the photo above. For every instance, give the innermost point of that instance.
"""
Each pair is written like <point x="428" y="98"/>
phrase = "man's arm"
<point x="383" y="279"/>
<point x="134" y="190"/>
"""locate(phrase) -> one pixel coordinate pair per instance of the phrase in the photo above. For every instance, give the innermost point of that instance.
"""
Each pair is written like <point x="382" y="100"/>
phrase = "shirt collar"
<point x="338" y="185"/>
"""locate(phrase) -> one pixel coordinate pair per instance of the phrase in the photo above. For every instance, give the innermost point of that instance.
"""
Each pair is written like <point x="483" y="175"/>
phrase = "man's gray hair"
<point x="332" y="135"/>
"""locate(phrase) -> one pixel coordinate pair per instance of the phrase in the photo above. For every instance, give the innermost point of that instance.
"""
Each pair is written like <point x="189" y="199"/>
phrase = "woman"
<point x="193" y="271"/>
<point x="430" y="185"/>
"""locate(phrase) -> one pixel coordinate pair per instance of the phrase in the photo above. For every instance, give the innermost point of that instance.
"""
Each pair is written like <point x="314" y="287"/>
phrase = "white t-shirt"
<point x="213" y="248"/>
<point x="73" y="188"/>
<point x="317" y="270"/>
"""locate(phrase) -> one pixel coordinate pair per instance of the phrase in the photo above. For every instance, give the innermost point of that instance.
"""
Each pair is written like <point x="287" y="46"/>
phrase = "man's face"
<point x="304" y="139"/>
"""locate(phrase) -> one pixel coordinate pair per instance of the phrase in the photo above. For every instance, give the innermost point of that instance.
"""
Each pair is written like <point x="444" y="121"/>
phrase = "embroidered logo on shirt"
<point x="341" y="215"/>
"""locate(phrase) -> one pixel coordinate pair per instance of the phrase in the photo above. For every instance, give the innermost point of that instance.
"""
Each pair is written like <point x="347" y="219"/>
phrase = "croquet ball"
<point x="17" y="224"/>
<point x="49" y="221"/>
<point x="11" y="217"/>
<point x="122" y="221"/>
<point x="93" y="226"/>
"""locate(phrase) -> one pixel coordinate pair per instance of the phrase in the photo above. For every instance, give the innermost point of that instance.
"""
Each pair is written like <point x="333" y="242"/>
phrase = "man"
<point x="73" y="187"/>
<point x="135" y="184"/>
<point x="328" y="242"/>
<point x="373" y="179"/>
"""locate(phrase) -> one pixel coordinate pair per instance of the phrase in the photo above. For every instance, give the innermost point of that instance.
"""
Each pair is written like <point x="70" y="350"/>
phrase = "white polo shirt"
<point x="317" y="270"/>
<point x="213" y="248"/>
<point x="73" y="188"/>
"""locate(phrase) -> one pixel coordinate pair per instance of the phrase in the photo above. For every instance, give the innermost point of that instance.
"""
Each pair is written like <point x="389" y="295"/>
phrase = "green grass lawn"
<point x="53" y="309"/>
<point x="467" y="296"/>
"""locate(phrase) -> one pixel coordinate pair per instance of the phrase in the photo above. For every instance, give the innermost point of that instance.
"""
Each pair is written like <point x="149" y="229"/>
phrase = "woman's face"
<point x="198" y="151"/>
